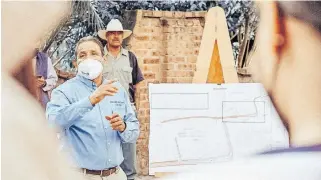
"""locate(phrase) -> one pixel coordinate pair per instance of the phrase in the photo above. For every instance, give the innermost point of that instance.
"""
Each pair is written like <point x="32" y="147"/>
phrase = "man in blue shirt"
<point x="94" y="114"/>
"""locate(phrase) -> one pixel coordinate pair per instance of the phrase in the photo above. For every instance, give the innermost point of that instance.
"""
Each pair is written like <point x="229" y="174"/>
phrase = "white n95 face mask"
<point x="90" y="69"/>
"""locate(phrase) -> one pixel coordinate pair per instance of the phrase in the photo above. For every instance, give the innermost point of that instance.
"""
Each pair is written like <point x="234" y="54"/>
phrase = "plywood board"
<point x="215" y="31"/>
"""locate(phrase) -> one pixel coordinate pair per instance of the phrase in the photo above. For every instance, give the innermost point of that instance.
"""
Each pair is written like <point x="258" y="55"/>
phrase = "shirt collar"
<point x="86" y="81"/>
<point x="123" y="51"/>
<point x="90" y="83"/>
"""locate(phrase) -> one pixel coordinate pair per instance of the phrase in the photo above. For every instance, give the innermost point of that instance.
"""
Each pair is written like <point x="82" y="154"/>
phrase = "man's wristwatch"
<point x="125" y="126"/>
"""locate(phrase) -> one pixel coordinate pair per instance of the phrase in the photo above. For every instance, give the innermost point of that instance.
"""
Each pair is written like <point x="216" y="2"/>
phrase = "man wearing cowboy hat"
<point x="122" y="64"/>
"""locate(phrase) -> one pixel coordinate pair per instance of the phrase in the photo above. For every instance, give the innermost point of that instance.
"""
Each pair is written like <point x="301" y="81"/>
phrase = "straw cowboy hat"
<point x="114" y="25"/>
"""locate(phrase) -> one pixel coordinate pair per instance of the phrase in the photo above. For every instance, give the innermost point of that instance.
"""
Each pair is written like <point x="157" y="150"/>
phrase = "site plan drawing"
<point x="193" y="124"/>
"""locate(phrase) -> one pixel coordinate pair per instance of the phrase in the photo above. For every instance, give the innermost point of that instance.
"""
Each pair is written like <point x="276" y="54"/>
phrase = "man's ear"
<point x="279" y="31"/>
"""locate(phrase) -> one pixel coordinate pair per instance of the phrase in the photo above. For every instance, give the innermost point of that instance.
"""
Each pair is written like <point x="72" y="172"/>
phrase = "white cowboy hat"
<point x="114" y="25"/>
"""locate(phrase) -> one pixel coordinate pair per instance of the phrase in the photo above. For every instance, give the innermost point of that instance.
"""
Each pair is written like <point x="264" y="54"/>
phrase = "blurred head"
<point x="89" y="48"/>
<point x="288" y="57"/>
<point x="114" y="38"/>
<point x="25" y="133"/>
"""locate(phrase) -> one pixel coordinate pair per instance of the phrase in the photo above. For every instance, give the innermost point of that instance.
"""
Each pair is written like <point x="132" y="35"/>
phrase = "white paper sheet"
<point x="191" y="124"/>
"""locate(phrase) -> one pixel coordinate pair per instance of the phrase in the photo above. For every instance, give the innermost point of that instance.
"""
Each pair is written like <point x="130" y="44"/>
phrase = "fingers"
<point x="39" y="84"/>
<point x="107" y="93"/>
<point x="116" y="125"/>
<point x="113" y="117"/>
<point x="110" y="88"/>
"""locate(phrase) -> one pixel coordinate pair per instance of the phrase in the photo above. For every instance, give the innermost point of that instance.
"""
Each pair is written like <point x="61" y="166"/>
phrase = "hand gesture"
<point x="103" y="90"/>
<point x="116" y="122"/>
<point x="41" y="82"/>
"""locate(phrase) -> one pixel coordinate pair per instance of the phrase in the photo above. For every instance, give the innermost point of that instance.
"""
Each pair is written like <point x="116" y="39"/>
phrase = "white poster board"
<point x="191" y="124"/>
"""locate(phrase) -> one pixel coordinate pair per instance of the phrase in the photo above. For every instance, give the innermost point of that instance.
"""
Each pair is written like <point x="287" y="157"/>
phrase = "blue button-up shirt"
<point x="94" y="145"/>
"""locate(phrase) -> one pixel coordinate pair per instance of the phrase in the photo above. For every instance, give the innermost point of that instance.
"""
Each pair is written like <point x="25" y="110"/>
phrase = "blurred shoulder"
<point x="287" y="166"/>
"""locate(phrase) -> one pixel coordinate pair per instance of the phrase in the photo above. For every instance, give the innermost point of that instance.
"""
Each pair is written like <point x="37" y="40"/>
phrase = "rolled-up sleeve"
<point x="62" y="113"/>
<point x="131" y="132"/>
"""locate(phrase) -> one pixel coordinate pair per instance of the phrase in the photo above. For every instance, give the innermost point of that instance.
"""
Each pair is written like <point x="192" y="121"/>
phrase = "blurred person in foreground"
<point x="94" y="115"/>
<point x="288" y="63"/>
<point x="29" y="147"/>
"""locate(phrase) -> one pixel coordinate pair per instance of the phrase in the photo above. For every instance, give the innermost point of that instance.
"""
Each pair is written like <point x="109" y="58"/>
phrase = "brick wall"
<point x="166" y="45"/>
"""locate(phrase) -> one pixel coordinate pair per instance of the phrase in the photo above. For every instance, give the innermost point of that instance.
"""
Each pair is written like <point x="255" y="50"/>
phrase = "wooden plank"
<point x="206" y="49"/>
<point x="222" y="69"/>
<point x="225" y="48"/>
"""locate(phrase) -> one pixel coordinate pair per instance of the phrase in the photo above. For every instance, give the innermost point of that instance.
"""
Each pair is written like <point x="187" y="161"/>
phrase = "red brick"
<point x="145" y="22"/>
<point x="186" y="66"/>
<point x="144" y="104"/>
<point x="172" y="22"/>
<point x="148" y="13"/>
<point x="149" y="75"/>
<point x="197" y="30"/>
<point x="185" y="79"/>
<point x="141" y="113"/>
<point x="142" y="37"/>
<point x="173" y="59"/>
<point x="143" y="97"/>
<point x="155" y="53"/>
<point x="171" y="80"/>
<point x="150" y="68"/>
<point x="158" y="13"/>
<point x="202" y="13"/>
<point x="156" y="38"/>
<point x="181" y="22"/>
<point x="147" y="30"/>
<point x="147" y="112"/>
<point x="151" y="60"/>
<point x="168" y="14"/>
<point x="143" y="90"/>
<point x="166" y="66"/>
<point x="196" y="22"/>
<point x="189" y="23"/>
<point x="180" y="59"/>
<point x="178" y="14"/>
<point x="168" y="29"/>
<point x="197" y="44"/>
<point x="188" y="14"/>
<point x="155" y="22"/>
<point x="140" y="52"/>
<point x="192" y="59"/>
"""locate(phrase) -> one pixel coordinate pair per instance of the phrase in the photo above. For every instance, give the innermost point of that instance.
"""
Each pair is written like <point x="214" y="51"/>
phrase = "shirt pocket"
<point x="127" y="74"/>
<point x="119" y="107"/>
<point x="107" y="73"/>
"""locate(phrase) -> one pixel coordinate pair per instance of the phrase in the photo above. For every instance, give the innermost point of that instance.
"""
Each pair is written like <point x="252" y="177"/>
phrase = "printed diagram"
<point x="243" y="111"/>
<point x="194" y="124"/>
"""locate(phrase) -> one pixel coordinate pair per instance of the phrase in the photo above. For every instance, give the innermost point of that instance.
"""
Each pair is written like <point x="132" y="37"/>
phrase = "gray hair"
<point x="87" y="39"/>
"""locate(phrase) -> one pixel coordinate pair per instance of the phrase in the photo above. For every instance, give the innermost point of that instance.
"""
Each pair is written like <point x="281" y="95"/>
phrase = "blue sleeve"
<point x="62" y="113"/>
<point x="131" y="132"/>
